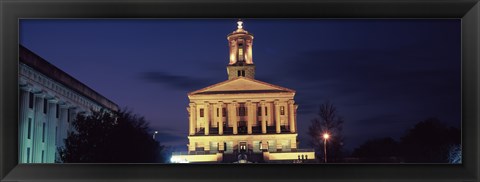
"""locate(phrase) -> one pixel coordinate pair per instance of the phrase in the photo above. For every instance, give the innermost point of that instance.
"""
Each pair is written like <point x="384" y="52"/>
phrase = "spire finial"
<point x="240" y="23"/>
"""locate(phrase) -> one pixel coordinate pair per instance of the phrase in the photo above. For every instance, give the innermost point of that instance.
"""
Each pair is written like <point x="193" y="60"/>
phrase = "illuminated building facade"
<point x="49" y="100"/>
<point x="242" y="119"/>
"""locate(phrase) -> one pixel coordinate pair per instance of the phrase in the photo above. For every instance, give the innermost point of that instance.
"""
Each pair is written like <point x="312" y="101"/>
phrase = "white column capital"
<point x="192" y="104"/>
<point x="41" y="94"/>
<point x="26" y="87"/>
<point x="291" y="101"/>
<point x="276" y="102"/>
<point x="53" y="100"/>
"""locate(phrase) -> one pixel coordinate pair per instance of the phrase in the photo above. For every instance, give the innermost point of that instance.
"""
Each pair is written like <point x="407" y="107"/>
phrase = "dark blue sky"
<point x="383" y="75"/>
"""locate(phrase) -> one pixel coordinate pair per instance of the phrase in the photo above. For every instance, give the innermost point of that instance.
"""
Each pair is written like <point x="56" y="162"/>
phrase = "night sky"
<point x="383" y="75"/>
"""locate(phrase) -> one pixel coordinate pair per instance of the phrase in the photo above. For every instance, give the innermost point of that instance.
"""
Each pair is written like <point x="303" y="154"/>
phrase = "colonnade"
<point x="213" y="113"/>
<point x="44" y="124"/>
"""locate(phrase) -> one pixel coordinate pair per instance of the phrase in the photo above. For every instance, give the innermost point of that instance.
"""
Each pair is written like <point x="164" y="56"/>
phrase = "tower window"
<point x="218" y="110"/>
<point x="201" y="113"/>
<point x="224" y="112"/>
<point x="43" y="154"/>
<point x="266" y="111"/>
<point x="241" y="73"/>
<point x="282" y="110"/>
<point x="259" y="111"/>
<point x="30" y="100"/>
<point x="240" y="54"/>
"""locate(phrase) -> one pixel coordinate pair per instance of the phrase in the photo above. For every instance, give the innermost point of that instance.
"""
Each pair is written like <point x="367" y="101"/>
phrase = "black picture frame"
<point x="12" y="11"/>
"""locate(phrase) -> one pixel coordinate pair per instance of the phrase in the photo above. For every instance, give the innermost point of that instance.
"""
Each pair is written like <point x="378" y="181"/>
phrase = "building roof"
<point x="41" y="65"/>
<point x="241" y="85"/>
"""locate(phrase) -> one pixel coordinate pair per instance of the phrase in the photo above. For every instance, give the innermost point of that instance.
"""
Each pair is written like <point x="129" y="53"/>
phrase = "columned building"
<point x="49" y="100"/>
<point x="242" y="119"/>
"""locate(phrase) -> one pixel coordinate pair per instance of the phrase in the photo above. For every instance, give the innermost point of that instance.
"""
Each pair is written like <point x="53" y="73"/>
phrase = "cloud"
<point x="174" y="81"/>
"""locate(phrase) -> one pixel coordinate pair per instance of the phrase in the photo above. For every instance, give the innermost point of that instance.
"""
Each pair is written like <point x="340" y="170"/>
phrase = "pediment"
<point x="241" y="85"/>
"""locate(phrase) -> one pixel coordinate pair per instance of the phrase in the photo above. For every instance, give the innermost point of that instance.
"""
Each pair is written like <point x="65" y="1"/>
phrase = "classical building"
<point x="242" y="119"/>
<point x="49" y="99"/>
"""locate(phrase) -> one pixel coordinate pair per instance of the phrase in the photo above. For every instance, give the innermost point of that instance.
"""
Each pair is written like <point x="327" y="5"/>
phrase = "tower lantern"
<point x="241" y="64"/>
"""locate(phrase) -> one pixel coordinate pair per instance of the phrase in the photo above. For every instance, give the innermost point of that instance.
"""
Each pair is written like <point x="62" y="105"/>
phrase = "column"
<point x="193" y="117"/>
<point x="291" y="115"/>
<point x="277" y="116"/>
<point x="23" y="115"/>
<point x="37" y="128"/>
<point x="51" y="125"/>
<point x="264" y="116"/>
<point x="207" y="118"/>
<point x="62" y="125"/>
<point x="250" y="115"/>
<point x="233" y="116"/>
<point x="220" y="118"/>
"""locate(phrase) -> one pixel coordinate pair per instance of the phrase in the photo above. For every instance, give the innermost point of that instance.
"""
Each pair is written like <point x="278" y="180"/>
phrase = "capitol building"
<point x="242" y="120"/>
<point x="49" y="100"/>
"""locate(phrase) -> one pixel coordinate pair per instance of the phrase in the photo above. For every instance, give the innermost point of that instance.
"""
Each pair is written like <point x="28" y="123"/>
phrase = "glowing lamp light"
<point x="326" y="136"/>
<point x="176" y="159"/>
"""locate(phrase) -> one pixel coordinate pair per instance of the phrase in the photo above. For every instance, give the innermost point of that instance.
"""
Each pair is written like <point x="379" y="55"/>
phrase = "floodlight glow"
<point x="326" y="136"/>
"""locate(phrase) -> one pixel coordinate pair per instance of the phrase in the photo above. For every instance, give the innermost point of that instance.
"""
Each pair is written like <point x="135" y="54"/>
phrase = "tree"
<point x="429" y="141"/>
<point x="110" y="137"/>
<point x="378" y="150"/>
<point x="455" y="154"/>
<point x="329" y="122"/>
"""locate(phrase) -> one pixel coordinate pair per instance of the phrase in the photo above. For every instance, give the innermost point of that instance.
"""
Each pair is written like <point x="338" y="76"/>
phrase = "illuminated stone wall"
<point x="47" y="107"/>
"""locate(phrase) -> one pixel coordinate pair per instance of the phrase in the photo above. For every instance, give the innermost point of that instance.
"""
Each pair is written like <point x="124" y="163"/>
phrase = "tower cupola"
<point x="240" y="43"/>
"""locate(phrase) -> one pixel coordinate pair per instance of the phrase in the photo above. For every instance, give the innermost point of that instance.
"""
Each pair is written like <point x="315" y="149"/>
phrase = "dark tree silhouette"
<point x="104" y="137"/>
<point x="329" y="122"/>
<point x="378" y="150"/>
<point x="429" y="141"/>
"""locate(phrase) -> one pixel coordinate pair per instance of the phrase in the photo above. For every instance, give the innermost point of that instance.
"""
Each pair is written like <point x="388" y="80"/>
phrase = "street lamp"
<point x="325" y="137"/>
<point x="154" y="134"/>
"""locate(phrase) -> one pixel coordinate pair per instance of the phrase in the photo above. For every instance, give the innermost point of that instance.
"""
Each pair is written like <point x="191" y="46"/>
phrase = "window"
<point x="243" y="73"/>
<point x="241" y="111"/>
<point x="259" y="111"/>
<point x="28" y="154"/>
<point x="45" y="105"/>
<point x="68" y="115"/>
<point x="43" y="154"/>
<point x="29" y="128"/>
<point x="224" y="112"/>
<point x="30" y="100"/>
<point x="218" y="110"/>
<point x="43" y="132"/>
<point x="282" y="110"/>
<point x="240" y="54"/>
<point x="201" y="113"/>
<point x="57" y="113"/>
<point x="239" y="73"/>
<point x="266" y="111"/>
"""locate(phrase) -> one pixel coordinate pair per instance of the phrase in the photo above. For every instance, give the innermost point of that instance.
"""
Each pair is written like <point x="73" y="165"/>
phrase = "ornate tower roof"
<point x="241" y="64"/>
